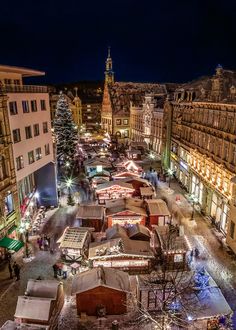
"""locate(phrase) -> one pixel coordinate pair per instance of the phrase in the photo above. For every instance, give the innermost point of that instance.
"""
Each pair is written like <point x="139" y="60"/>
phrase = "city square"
<point x="118" y="193"/>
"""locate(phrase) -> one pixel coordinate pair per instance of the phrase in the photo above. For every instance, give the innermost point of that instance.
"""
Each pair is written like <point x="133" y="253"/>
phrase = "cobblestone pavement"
<point x="40" y="265"/>
<point x="215" y="257"/>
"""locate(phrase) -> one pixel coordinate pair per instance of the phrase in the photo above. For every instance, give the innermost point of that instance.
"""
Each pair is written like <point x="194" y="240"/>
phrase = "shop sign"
<point x="184" y="165"/>
<point x="174" y="156"/>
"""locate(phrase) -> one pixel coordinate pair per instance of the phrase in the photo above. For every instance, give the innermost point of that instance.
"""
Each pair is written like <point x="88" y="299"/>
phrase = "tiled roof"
<point x="123" y="93"/>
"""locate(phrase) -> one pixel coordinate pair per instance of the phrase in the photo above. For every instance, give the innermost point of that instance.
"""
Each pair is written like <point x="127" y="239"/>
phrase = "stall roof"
<point x="157" y="207"/>
<point x="146" y="191"/>
<point x="73" y="237"/>
<point x="97" y="161"/>
<point x="116" y="231"/>
<point x="12" y="325"/>
<point x="90" y="212"/>
<point x="42" y="288"/>
<point x="33" y="308"/>
<point x="120" y="246"/>
<point x="106" y="277"/>
<point x="138" y="229"/>
<point x="111" y="184"/>
<point x="125" y="174"/>
<point x="125" y="204"/>
<point x="170" y="240"/>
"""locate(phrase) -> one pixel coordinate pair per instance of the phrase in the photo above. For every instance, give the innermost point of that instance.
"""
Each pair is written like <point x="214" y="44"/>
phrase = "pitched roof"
<point x="123" y="93"/>
<point x="98" y="161"/>
<point x="106" y="277"/>
<point x="125" y="204"/>
<point x="120" y="247"/>
<point x="116" y="231"/>
<point x="42" y="288"/>
<point x="146" y="191"/>
<point x="170" y="240"/>
<point x="90" y="212"/>
<point x="73" y="237"/>
<point x="110" y="184"/>
<point x="138" y="229"/>
<point x="157" y="207"/>
<point x="33" y="308"/>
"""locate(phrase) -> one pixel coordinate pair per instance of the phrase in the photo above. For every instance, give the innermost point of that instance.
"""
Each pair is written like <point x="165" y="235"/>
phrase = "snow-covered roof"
<point x="42" y="288"/>
<point x="97" y="161"/>
<point x="137" y="229"/>
<point x="112" y="184"/>
<point x="120" y="247"/>
<point x="73" y="237"/>
<point x="90" y="212"/>
<point x="12" y="325"/>
<point x="33" y="308"/>
<point x="170" y="240"/>
<point x="116" y="231"/>
<point x="157" y="207"/>
<point x="134" y="205"/>
<point x="106" y="277"/>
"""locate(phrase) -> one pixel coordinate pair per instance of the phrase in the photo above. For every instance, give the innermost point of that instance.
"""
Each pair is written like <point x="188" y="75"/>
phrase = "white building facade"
<point x="30" y="125"/>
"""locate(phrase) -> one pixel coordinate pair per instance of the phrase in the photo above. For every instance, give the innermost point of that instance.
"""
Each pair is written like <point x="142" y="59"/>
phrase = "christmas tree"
<point x="65" y="131"/>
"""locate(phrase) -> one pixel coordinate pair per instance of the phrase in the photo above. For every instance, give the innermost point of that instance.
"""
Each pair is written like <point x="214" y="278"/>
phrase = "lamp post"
<point x="170" y="172"/>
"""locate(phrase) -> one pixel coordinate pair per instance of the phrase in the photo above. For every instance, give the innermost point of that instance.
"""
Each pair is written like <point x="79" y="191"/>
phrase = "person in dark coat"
<point x="10" y="269"/>
<point x="55" y="270"/>
<point x="16" y="269"/>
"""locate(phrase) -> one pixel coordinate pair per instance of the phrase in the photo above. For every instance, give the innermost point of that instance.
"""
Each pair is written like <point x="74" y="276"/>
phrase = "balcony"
<point x="24" y="89"/>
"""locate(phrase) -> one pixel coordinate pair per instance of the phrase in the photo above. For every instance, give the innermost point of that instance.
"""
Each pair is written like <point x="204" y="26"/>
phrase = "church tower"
<point x="109" y="74"/>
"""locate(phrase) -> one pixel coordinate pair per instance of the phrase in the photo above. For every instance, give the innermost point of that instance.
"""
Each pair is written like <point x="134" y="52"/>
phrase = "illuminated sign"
<point x="99" y="168"/>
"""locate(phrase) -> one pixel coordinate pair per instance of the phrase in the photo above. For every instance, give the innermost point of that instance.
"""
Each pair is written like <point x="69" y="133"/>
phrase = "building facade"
<point x="200" y="146"/>
<point x="9" y="206"/>
<point x="146" y="122"/>
<point x="30" y="128"/>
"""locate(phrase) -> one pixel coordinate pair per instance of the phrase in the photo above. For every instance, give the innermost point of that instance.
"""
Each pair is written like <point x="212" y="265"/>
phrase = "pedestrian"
<point x="196" y="252"/>
<point x="16" y="269"/>
<point x="46" y="244"/>
<point x="10" y="269"/>
<point x="64" y="271"/>
<point x="59" y="268"/>
<point x="55" y="270"/>
<point x="158" y="176"/>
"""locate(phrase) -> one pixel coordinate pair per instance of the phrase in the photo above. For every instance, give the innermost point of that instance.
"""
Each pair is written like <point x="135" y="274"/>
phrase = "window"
<point x="43" y="105"/>
<point x="31" y="157"/>
<point x="28" y="133"/>
<point x="16" y="82"/>
<point x="19" y="163"/>
<point x="3" y="168"/>
<point x="232" y="228"/>
<point x="13" y="108"/>
<point x="33" y="105"/>
<point x="7" y="81"/>
<point x="38" y="154"/>
<point x="16" y="135"/>
<point x="9" y="207"/>
<point x="36" y="130"/>
<point x="126" y="133"/>
<point x="47" y="149"/>
<point x="118" y="121"/>
<point x="125" y="121"/>
<point x="25" y="106"/>
<point x="45" y="127"/>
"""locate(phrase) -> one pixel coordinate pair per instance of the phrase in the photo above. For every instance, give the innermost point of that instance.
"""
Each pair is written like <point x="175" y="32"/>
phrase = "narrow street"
<point x="217" y="259"/>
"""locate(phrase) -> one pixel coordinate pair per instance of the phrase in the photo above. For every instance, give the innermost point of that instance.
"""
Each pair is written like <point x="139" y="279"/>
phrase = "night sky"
<point x="156" y="41"/>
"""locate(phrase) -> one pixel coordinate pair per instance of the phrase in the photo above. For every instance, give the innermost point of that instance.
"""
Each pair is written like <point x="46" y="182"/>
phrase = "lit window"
<point x="9" y="207"/>
<point x="38" y="154"/>
<point x="31" y="157"/>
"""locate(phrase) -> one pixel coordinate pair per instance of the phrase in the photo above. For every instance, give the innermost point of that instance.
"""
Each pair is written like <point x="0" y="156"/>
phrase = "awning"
<point x="10" y="230"/>
<point x="11" y="244"/>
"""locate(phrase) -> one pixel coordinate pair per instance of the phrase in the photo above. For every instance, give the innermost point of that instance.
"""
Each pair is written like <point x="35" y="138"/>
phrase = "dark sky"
<point x="158" y="40"/>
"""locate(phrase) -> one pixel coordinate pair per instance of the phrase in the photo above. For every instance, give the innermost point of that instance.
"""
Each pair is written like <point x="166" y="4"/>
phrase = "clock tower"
<point x="109" y="74"/>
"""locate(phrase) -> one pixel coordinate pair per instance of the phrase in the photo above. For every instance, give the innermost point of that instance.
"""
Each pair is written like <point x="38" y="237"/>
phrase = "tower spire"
<point x="109" y="74"/>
